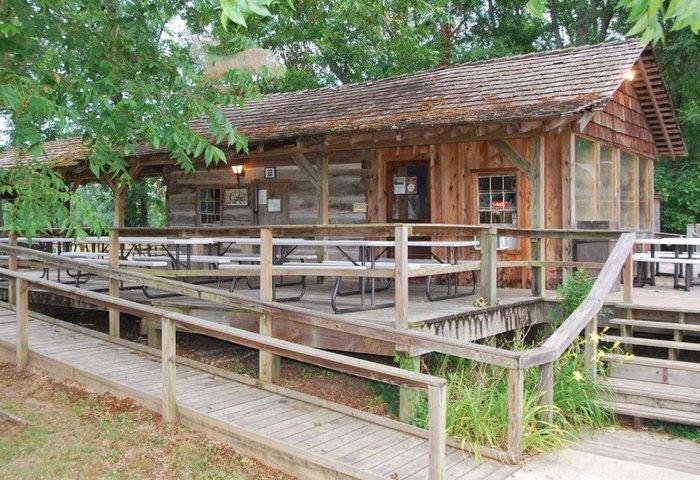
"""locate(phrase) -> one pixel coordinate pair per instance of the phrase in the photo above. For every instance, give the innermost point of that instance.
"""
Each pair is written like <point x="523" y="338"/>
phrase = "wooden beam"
<point x="537" y="211"/>
<point x="168" y="361"/>
<point x="401" y="277"/>
<point x="546" y="386"/>
<point x="516" y="409"/>
<point x="657" y="108"/>
<point x="306" y="167"/>
<point x="512" y="155"/>
<point x="22" y="312"/>
<point x="269" y="364"/>
<point x="114" y="253"/>
<point x="489" y="246"/>
<point x="437" y="411"/>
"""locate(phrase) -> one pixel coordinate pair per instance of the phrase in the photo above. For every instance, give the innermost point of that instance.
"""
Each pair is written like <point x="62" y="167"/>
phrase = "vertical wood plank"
<point x="537" y="211"/>
<point x="12" y="264"/>
<point x="269" y="364"/>
<point x="546" y="385"/>
<point x="114" y="291"/>
<point x="677" y="337"/>
<point x="401" y="278"/>
<point x="437" y="436"/>
<point x="169" y="369"/>
<point x="408" y="397"/>
<point x="22" y="312"/>
<point x="627" y="279"/>
<point x="567" y="192"/>
<point x="322" y="199"/>
<point x="590" y="348"/>
<point x="516" y="407"/>
<point x="489" y="245"/>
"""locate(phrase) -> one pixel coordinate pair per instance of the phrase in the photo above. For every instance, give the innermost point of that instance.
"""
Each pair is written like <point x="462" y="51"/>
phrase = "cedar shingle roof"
<point x="527" y="87"/>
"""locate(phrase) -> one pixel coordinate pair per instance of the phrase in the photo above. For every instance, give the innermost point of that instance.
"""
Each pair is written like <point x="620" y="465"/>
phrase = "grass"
<point x="478" y="393"/>
<point x="676" y="430"/>
<point x="76" y="434"/>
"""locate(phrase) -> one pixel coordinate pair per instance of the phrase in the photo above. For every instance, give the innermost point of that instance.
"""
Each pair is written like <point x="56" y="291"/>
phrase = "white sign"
<point x="274" y="205"/>
<point x="236" y="197"/>
<point x="399" y="185"/>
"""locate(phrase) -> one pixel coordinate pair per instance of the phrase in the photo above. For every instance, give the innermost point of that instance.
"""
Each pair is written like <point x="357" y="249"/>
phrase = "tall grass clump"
<point x="477" y="411"/>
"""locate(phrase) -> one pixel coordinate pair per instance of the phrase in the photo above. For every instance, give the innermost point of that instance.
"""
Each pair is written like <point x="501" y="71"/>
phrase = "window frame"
<point x="219" y="211"/>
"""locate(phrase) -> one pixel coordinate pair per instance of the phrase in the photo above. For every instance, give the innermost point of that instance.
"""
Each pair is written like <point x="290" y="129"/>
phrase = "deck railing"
<point x="543" y="357"/>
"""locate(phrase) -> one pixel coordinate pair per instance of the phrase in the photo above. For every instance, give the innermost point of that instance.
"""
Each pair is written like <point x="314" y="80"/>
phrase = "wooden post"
<point x="590" y="348"/>
<point x="269" y="365"/>
<point x="13" y="265"/>
<point x="437" y="435"/>
<point x="114" y="315"/>
<point x="547" y="391"/>
<point x="169" y="364"/>
<point x="408" y="397"/>
<point x="322" y="200"/>
<point x="627" y="280"/>
<point x="22" y="312"/>
<point x="537" y="212"/>
<point x="516" y="407"/>
<point x="489" y="246"/>
<point x="677" y="337"/>
<point x="401" y="277"/>
<point x="567" y="195"/>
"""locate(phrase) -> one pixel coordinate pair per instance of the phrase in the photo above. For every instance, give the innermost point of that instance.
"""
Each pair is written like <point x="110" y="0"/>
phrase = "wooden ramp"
<point x="312" y="439"/>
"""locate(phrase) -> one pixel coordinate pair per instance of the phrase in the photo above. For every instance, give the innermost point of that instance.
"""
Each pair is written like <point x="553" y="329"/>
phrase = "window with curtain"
<point x="498" y="198"/>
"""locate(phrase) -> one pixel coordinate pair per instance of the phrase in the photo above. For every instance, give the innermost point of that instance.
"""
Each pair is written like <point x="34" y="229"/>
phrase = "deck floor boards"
<point x="318" y="430"/>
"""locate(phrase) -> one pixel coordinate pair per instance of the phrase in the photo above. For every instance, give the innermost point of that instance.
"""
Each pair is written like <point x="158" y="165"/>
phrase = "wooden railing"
<point x="435" y="387"/>
<point x="543" y="357"/>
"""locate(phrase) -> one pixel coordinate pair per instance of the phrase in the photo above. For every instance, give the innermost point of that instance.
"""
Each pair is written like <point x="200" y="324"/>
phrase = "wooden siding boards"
<point x="623" y="124"/>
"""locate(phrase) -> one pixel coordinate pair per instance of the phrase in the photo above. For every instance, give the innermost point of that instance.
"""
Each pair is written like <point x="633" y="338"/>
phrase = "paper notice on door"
<point x="399" y="185"/>
<point x="274" y="205"/>
<point x="262" y="196"/>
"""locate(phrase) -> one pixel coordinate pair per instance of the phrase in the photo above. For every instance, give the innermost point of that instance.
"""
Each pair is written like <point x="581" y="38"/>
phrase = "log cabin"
<point x="546" y="140"/>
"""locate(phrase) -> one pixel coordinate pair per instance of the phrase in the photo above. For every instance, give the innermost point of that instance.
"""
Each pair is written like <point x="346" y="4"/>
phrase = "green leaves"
<point x="238" y="10"/>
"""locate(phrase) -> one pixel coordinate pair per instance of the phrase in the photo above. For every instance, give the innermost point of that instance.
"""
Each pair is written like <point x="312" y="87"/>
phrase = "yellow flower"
<point x="578" y="376"/>
<point x="595" y="338"/>
<point x="628" y="356"/>
<point x="616" y="344"/>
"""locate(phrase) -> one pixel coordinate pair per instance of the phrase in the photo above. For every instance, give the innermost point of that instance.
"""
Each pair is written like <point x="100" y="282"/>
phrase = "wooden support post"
<point x="628" y="280"/>
<point x="114" y="314"/>
<point x="269" y="364"/>
<point x="114" y="291"/>
<point x="516" y="408"/>
<point x="13" y="265"/>
<point x="677" y="337"/>
<point x="547" y="391"/>
<point x="590" y="348"/>
<point x="538" y="272"/>
<point x="322" y="200"/>
<point x="401" y="277"/>
<point x="437" y="435"/>
<point x="169" y="364"/>
<point x="489" y="246"/>
<point x="408" y="397"/>
<point x="22" y="312"/>
<point x="537" y="212"/>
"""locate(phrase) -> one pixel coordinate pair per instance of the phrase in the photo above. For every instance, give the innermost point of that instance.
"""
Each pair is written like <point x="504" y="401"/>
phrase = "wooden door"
<point x="272" y="203"/>
<point x="408" y="192"/>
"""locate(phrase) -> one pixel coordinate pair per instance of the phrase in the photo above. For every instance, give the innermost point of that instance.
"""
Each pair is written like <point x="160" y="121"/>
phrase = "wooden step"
<point x="653" y="362"/>
<point x="655" y="413"/>
<point x="654" y="324"/>
<point x="652" y="394"/>
<point x="652" y="342"/>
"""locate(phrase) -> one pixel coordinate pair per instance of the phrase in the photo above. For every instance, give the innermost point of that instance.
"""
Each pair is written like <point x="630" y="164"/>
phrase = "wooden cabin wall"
<point x="349" y="177"/>
<point x="454" y="171"/>
<point x="623" y="124"/>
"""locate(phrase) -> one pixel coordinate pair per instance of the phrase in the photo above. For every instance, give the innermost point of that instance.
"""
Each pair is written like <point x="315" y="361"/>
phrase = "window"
<point x="644" y="194"/>
<point x="628" y="191"/>
<point x="585" y="174"/>
<point x="209" y="206"/>
<point x="498" y="199"/>
<point x="607" y="184"/>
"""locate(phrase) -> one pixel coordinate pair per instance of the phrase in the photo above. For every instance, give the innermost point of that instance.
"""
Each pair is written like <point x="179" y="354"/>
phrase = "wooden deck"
<point x="312" y="439"/>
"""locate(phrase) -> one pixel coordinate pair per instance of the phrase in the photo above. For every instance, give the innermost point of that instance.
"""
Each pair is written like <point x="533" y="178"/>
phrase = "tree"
<point x="115" y="73"/>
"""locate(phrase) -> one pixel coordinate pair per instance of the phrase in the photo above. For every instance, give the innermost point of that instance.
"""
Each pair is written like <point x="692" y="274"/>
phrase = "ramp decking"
<point x="302" y="437"/>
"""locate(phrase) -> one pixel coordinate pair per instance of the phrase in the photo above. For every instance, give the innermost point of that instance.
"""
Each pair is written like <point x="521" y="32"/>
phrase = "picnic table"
<point x="683" y="258"/>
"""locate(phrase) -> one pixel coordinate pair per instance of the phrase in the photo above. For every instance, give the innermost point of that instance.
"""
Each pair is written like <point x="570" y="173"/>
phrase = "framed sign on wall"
<point x="270" y="172"/>
<point x="236" y="197"/>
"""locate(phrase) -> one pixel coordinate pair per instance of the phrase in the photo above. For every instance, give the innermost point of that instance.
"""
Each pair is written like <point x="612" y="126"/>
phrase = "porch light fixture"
<point x="629" y="75"/>
<point x="238" y="170"/>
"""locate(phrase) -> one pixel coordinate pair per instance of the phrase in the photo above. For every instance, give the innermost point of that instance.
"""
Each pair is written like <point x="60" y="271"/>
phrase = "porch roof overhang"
<point x="499" y="97"/>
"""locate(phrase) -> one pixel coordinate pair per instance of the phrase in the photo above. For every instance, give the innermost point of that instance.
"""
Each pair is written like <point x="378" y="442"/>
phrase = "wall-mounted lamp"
<point x="629" y="75"/>
<point x="238" y="170"/>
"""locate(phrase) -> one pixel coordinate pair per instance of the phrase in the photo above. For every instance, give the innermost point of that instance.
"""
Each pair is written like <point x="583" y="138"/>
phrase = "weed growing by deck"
<point x="478" y="393"/>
